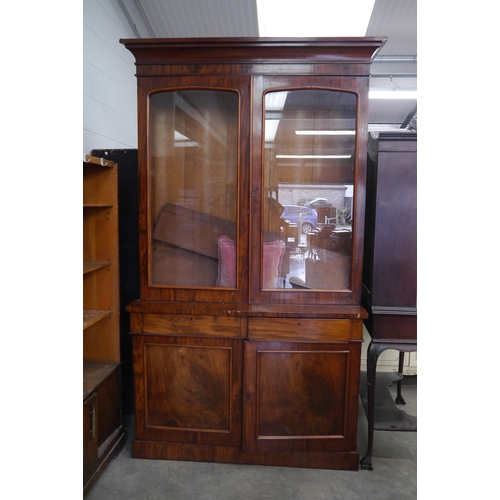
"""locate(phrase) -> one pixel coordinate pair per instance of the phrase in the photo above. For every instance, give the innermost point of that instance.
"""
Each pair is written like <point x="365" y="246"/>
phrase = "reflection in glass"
<point x="309" y="157"/>
<point x="193" y="160"/>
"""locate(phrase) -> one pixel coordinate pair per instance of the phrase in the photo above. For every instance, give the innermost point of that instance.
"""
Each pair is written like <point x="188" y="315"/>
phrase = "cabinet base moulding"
<point x="348" y="461"/>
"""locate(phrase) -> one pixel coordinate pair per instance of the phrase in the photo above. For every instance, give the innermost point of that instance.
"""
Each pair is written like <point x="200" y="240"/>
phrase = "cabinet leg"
<point x="371" y="370"/>
<point x="399" y="397"/>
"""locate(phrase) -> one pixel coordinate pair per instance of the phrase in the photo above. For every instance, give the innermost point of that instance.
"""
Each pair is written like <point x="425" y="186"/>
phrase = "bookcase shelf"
<point x="102" y="430"/>
<point x="89" y="267"/>
<point x="92" y="317"/>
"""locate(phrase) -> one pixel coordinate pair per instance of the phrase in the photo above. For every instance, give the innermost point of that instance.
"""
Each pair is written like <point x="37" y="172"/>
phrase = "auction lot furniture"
<point x="390" y="273"/>
<point x="103" y="434"/>
<point x="232" y="363"/>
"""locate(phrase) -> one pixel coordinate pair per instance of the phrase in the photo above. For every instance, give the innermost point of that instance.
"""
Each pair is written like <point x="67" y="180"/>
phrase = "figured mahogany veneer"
<point x="194" y="324"/>
<point x="246" y="373"/>
<point x="190" y="389"/>
<point x="298" y="397"/>
<point x="279" y="391"/>
<point x="302" y="328"/>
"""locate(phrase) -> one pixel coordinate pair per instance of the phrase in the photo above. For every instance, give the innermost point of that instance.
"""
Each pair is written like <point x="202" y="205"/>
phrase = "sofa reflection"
<point x="197" y="249"/>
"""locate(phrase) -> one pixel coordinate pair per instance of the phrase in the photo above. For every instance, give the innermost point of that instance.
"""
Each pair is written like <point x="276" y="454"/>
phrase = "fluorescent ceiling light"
<point x="314" y="18"/>
<point x="181" y="141"/>
<point x="314" y="156"/>
<point x="271" y="129"/>
<point x="392" y="94"/>
<point x="325" y="132"/>
<point x="275" y="101"/>
<point x="180" y="137"/>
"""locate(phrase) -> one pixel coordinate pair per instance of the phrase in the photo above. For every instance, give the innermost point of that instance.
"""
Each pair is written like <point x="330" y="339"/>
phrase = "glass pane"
<point x="193" y="148"/>
<point x="309" y="154"/>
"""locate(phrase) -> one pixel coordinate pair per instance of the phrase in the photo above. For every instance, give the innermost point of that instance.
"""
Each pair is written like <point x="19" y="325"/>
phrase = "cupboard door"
<point x="90" y="439"/>
<point x="109" y="416"/>
<point x="307" y="169"/>
<point x="189" y="389"/>
<point x="300" y="396"/>
<point x="196" y="160"/>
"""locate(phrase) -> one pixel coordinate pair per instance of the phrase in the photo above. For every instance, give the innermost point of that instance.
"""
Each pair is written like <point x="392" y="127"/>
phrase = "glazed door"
<point x="196" y="184"/>
<point x="305" y="178"/>
<point x="301" y="396"/>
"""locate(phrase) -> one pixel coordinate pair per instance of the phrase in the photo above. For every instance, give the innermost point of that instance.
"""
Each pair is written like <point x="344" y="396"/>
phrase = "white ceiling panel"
<point x="195" y="18"/>
<point x="395" y="66"/>
<point x="396" y="19"/>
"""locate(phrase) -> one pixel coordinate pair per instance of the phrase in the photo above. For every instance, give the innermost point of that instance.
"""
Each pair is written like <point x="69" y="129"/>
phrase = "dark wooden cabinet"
<point x="390" y="270"/>
<point x="390" y="262"/>
<point x="247" y="335"/>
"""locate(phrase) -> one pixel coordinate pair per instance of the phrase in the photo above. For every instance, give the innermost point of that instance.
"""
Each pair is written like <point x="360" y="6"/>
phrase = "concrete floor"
<point x="394" y="474"/>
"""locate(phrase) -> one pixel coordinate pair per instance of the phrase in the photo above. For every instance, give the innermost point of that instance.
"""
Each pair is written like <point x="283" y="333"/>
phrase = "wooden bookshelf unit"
<point x="102" y="430"/>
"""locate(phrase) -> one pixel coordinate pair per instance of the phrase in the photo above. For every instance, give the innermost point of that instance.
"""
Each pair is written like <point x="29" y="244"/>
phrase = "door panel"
<point x="297" y="397"/>
<point x="90" y="443"/>
<point x="192" y="390"/>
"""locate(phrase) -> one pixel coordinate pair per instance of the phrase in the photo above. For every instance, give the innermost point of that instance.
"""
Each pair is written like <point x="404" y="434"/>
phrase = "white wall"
<point x="109" y="83"/>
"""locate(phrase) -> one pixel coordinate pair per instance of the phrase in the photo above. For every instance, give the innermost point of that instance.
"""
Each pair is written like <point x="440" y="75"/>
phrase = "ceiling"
<point x="395" y="66"/>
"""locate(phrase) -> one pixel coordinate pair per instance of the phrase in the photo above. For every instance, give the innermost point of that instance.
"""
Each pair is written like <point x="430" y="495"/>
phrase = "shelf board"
<point x="93" y="160"/>
<point x="89" y="267"/>
<point x="97" y="205"/>
<point x="94" y="373"/>
<point x="90" y="317"/>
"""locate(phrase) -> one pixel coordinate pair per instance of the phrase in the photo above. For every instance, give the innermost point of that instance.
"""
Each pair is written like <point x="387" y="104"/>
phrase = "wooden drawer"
<point x="324" y="330"/>
<point x="185" y="324"/>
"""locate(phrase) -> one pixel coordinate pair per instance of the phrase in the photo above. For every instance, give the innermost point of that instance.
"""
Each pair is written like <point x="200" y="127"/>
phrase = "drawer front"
<point x="186" y="324"/>
<point x="324" y="330"/>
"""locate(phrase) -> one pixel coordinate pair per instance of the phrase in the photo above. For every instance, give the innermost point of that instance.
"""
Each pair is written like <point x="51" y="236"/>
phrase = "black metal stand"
<point x="381" y="412"/>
